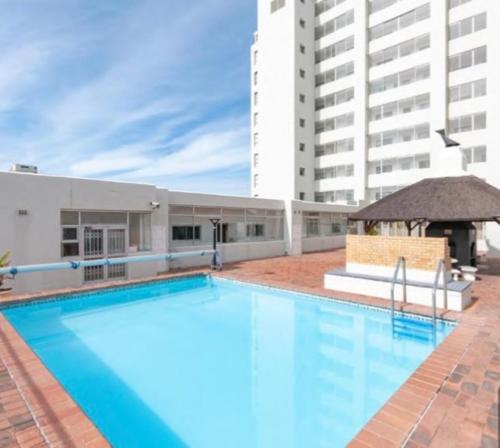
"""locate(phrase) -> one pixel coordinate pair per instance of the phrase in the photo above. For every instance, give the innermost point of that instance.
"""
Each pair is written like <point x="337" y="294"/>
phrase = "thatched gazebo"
<point x="464" y="199"/>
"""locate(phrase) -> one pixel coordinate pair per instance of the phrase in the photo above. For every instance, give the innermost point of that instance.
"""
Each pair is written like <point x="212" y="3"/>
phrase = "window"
<point x="255" y="231"/>
<point x="418" y="161"/>
<point x="378" y="5"/>
<point x="255" y="139"/>
<point x="400" y="22"/>
<point x="401" y="50"/>
<point x="302" y="49"/>
<point x="334" y="74"/>
<point x="467" y="90"/>
<point x="396" y="136"/>
<point x="334" y="99"/>
<point x="375" y="194"/>
<point x="335" y="196"/>
<point x="467" y="26"/>
<point x="255" y="118"/>
<point x="302" y="23"/>
<point x="338" y="122"/>
<point x="334" y="172"/>
<point x="302" y="196"/>
<point x="302" y="171"/>
<point x="277" y="4"/>
<point x="336" y="147"/>
<point x="256" y="160"/>
<point x="140" y="231"/>
<point x="191" y="226"/>
<point x="70" y="218"/>
<point x="302" y="123"/>
<point x="302" y="147"/>
<point x="334" y="49"/>
<point x="468" y="59"/>
<point x="403" y="106"/>
<point x="255" y="180"/>
<point x="70" y="246"/>
<point x="302" y="73"/>
<point x="403" y="78"/>
<point x="302" y="98"/>
<point x="325" y="5"/>
<point x="185" y="233"/>
<point x="467" y="123"/>
<point x="256" y="98"/>
<point x="255" y="56"/>
<point x="455" y="3"/>
<point x="255" y="78"/>
<point x="476" y="154"/>
<point x="335" y="24"/>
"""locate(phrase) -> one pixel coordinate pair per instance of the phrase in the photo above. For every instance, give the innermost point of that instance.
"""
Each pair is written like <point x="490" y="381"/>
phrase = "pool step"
<point x="415" y="329"/>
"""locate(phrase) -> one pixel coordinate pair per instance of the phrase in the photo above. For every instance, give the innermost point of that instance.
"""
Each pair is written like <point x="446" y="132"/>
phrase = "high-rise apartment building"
<point x="347" y="95"/>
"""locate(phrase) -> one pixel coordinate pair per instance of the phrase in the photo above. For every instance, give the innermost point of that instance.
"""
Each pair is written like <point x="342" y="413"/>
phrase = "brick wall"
<point x="420" y="253"/>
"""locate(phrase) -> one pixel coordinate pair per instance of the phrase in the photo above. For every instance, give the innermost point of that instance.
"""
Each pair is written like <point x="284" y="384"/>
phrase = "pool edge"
<point x="392" y="425"/>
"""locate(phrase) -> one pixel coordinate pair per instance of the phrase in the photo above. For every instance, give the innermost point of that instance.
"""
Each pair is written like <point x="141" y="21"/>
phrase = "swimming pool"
<point x="207" y="362"/>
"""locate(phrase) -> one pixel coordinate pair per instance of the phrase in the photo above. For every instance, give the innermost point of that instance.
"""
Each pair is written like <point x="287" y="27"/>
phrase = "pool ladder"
<point x="401" y="262"/>
<point x="440" y="271"/>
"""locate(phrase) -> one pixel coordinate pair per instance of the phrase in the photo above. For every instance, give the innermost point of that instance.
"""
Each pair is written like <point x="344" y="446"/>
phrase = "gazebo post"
<point x="408" y="226"/>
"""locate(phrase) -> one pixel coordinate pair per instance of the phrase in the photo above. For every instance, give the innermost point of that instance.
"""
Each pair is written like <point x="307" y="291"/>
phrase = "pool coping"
<point x="63" y="423"/>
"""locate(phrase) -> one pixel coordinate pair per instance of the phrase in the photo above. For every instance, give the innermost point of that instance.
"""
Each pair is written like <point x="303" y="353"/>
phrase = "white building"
<point x="49" y="219"/>
<point x="347" y="94"/>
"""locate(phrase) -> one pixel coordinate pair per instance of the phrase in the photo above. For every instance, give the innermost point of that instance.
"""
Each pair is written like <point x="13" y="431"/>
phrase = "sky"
<point x="149" y="91"/>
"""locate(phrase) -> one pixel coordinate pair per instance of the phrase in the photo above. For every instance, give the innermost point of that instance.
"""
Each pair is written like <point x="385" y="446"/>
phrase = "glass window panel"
<point x="466" y="26"/>
<point x="140" y="237"/>
<point x="70" y="234"/>
<point x="466" y="91"/>
<point x="180" y="210"/>
<point x="480" y="22"/>
<point x="480" y="55"/>
<point x="480" y="121"/>
<point x="70" y="249"/>
<point x="480" y="88"/>
<point x="103" y="218"/>
<point x="480" y="154"/>
<point x="69" y="218"/>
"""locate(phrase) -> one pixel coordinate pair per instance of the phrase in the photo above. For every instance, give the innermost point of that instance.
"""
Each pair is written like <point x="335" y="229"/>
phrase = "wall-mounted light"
<point x="155" y="205"/>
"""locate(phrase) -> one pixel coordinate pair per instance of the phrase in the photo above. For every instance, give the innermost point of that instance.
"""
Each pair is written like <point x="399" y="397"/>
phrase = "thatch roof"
<point x="465" y="198"/>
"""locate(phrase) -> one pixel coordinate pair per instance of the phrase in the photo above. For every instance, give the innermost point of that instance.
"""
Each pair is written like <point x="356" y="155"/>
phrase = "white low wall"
<point x="417" y="275"/>
<point x="318" y="243"/>
<point x="232" y="252"/>
<point x="419" y="295"/>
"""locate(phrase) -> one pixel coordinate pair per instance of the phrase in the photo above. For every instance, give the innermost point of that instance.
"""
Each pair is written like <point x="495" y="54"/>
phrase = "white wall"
<point x="36" y="237"/>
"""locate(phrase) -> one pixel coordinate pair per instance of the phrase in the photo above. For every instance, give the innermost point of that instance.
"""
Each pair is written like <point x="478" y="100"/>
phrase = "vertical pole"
<point x="404" y="280"/>
<point x="214" y="236"/>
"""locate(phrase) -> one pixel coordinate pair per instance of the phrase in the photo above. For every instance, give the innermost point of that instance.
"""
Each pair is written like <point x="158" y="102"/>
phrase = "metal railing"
<point x="401" y="262"/>
<point x="441" y="269"/>
<point x="77" y="264"/>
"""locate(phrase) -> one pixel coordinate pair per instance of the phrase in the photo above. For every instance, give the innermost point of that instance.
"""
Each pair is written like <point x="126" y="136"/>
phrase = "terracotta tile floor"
<point x="452" y="400"/>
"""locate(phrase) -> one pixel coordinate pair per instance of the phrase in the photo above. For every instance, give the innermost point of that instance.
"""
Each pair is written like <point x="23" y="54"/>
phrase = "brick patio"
<point x="450" y="401"/>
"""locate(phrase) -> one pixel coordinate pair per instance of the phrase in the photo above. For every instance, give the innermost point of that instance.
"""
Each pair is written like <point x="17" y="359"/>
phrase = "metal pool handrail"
<point x="401" y="262"/>
<point x="14" y="270"/>
<point x="440" y="270"/>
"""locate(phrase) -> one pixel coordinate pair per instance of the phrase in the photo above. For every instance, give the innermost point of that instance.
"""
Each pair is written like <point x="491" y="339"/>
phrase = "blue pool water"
<point x="203" y="362"/>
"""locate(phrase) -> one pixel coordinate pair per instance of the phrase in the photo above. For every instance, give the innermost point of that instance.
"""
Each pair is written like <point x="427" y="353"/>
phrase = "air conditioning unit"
<point x="19" y="168"/>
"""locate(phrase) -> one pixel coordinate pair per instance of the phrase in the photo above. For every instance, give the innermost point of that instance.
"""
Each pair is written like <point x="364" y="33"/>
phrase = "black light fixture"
<point x="215" y="222"/>
<point x="215" y="258"/>
<point x="448" y="142"/>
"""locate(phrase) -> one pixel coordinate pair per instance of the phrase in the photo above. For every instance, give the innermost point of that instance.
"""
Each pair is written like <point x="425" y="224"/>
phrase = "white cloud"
<point x="127" y="90"/>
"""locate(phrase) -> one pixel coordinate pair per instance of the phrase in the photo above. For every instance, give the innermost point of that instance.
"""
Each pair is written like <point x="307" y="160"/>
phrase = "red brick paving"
<point x="450" y="401"/>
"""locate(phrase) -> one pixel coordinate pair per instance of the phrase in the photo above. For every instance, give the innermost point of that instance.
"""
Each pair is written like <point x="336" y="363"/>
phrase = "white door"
<point x="104" y="242"/>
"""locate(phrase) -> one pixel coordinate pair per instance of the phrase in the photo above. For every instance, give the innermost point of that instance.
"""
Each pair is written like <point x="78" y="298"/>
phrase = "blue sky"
<point x="153" y="91"/>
